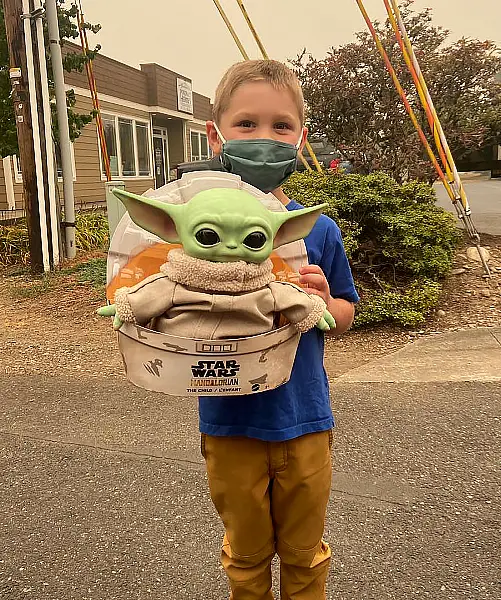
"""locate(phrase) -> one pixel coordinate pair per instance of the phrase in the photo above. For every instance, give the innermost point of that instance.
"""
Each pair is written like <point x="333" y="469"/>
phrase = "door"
<point x="159" y="158"/>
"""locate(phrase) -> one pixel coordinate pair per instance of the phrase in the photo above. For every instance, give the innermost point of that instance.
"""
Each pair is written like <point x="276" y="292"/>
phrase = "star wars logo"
<point x="215" y="368"/>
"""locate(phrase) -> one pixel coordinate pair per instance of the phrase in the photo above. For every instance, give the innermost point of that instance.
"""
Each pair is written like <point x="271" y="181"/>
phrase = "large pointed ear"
<point x="150" y="214"/>
<point x="295" y="224"/>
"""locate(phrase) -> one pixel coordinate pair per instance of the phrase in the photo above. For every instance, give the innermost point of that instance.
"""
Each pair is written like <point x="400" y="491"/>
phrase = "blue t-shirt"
<point x="301" y="405"/>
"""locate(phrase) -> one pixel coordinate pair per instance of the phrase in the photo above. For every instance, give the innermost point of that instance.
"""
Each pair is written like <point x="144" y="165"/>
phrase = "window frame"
<point x="149" y="146"/>
<point x="18" y="176"/>
<point x="199" y="134"/>
<point x="110" y="115"/>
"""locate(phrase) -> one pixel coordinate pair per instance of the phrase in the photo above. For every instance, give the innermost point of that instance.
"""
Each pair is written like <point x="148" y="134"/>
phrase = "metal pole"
<point x="64" y="130"/>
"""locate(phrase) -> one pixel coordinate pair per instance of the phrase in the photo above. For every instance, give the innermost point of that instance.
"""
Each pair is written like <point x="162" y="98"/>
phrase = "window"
<point x="17" y="169"/>
<point x="57" y="155"/>
<point x="59" y="164"/>
<point x="110" y="136"/>
<point x="199" y="146"/>
<point x="128" y="145"/>
<point x="143" y="154"/>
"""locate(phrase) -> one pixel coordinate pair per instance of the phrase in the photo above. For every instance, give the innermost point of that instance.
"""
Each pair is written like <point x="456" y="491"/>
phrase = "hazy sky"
<point x="189" y="36"/>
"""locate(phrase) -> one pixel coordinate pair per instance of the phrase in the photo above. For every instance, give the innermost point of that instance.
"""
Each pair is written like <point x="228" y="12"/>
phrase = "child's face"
<point x="259" y="111"/>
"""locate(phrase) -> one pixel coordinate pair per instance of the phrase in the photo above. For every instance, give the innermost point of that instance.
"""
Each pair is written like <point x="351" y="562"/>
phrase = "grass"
<point x="92" y="271"/>
<point x="35" y="288"/>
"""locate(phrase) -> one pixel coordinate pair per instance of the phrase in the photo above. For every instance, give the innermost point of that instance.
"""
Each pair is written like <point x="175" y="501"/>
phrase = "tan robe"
<point x="199" y="299"/>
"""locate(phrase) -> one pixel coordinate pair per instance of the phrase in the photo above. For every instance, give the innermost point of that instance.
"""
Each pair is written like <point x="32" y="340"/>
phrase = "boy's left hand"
<point x="313" y="281"/>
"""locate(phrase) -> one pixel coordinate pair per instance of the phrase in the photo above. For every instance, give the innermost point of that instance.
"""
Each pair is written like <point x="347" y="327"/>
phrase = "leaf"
<point x="73" y="61"/>
<point x="352" y="101"/>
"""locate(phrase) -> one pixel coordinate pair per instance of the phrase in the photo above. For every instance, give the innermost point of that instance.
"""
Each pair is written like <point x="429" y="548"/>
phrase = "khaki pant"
<point x="272" y="498"/>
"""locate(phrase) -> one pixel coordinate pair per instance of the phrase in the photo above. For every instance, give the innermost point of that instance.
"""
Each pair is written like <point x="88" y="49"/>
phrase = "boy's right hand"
<point x="110" y="311"/>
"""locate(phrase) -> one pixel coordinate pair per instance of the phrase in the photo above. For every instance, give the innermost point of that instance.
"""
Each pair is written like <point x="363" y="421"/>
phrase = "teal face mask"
<point x="265" y="164"/>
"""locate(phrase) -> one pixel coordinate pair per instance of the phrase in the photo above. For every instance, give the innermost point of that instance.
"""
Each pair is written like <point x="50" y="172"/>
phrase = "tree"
<point x="352" y="100"/>
<point x="72" y="61"/>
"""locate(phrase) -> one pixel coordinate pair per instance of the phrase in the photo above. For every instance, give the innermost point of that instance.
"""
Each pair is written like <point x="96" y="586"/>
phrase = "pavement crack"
<point x="82" y="444"/>
<point x="496" y="338"/>
<point x="371" y="497"/>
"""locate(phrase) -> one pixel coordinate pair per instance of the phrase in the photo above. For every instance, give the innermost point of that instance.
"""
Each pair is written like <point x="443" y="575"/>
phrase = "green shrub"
<point x="400" y="244"/>
<point x="406" y="307"/>
<point x="14" y="247"/>
<point x="91" y="233"/>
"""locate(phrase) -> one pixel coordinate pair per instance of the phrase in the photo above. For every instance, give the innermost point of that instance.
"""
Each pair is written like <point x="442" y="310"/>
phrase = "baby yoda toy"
<point x="220" y="284"/>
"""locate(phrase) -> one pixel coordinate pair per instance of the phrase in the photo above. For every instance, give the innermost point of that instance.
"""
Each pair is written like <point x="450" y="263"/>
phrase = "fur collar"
<point x="215" y="276"/>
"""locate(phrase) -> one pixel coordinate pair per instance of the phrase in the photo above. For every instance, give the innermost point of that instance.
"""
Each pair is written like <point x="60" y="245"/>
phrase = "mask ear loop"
<point x="299" y="141"/>
<point x="219" y="133"/>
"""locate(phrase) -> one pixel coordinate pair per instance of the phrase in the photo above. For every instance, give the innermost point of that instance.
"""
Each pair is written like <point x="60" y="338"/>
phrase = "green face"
<point x="226" y="227"/>
<point x="221" y="224"/>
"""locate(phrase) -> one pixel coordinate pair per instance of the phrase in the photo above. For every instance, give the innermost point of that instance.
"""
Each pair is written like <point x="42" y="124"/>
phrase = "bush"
<point x="14" y="247"/>
<point x="400" y="244"/>
<point x="91" y="233"/>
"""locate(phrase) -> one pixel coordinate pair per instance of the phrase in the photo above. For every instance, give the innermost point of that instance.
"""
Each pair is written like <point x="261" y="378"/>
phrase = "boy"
<point x="268" y="455"/>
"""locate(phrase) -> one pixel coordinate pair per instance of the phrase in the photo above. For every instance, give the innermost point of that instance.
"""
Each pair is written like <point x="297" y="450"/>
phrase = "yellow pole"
<point x="404" y="99"/>
<point x="265" y="56"/>
<point x="419" y="88"/>
<point x="435" y="125"/>
<point x="253" y="30"/>
<point x="230" y="29"/>
<point x="454" y="175"/>
<point x="305" y="162"/>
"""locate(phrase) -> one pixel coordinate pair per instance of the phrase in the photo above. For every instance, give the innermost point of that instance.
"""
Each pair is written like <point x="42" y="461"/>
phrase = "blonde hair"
<point x="271" y="71"/>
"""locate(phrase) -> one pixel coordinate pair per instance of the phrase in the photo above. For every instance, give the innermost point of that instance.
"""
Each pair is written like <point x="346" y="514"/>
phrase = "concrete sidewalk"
<point x="469" y="355"/>
<point x="103" y="494"/>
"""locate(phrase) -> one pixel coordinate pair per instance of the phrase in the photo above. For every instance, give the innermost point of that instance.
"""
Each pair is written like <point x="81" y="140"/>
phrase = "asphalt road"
<point x="103" y="493"/>
<point x="484" y="197"/>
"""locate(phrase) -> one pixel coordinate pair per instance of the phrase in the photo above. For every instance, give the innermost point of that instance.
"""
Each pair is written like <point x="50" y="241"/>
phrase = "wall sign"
<point x="184" y="96"/>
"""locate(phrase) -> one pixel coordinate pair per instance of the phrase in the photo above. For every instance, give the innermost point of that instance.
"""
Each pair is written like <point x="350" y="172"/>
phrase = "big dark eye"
<point x="207" y="237"/>
<point x="255" y="240"/>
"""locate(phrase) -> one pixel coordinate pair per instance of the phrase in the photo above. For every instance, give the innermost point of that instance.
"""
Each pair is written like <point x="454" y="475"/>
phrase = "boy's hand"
<point x="327" y="322"/>
<point x="110" y="311"/>
<point x="313" y="281"/>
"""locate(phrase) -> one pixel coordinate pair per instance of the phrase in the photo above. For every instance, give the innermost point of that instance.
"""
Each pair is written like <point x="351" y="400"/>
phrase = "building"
<point x="152" y="119"/>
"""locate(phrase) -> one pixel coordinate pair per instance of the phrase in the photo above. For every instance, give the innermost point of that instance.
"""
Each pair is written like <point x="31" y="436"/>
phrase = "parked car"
<point x="324" y="152"/>
<point x="327" y="156"/>
<point x="211" y="164"/>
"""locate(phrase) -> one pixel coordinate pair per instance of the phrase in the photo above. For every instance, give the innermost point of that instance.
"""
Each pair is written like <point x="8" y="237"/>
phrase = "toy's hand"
<point x="110" y="311"/>
<point x="327" y="322"/>
<point x="313" y="281"/>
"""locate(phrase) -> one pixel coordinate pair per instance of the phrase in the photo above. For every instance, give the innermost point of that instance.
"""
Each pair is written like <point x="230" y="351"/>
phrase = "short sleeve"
<point x="325" y="248"/>
<point x="334" y="263"/>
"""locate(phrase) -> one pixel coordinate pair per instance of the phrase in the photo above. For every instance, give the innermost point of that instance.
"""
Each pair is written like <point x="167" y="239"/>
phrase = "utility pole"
<point x="14" y="30"/>
<point x="44" y="157"/>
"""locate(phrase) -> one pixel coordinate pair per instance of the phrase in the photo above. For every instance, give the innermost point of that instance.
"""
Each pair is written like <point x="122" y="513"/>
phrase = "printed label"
<point x="214" y="376"/>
